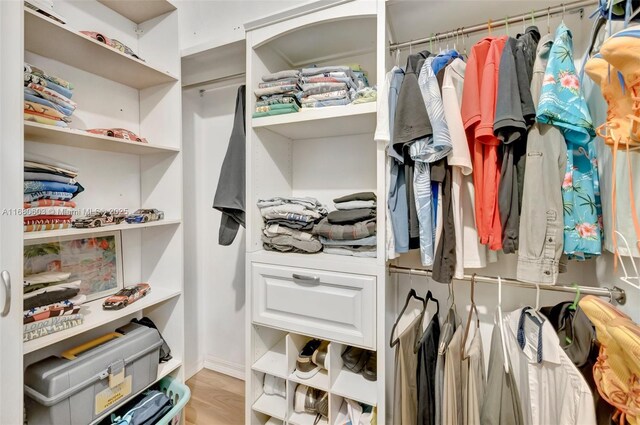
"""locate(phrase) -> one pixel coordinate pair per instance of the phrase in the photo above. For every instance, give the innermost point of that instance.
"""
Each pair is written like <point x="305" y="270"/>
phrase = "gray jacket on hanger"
<point x="229" y="197"/>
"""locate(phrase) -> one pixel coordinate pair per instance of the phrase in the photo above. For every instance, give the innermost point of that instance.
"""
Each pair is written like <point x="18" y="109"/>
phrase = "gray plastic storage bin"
<point x="88" y="381"/>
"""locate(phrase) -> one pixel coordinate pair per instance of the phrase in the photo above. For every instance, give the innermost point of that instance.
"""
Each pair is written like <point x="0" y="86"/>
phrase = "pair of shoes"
<point x="312" y="358"/>
<point x="617" y="370"/>
<point x="273" y="385"/>
<point x="312" y="401"/>
<point x="362" y="361"/>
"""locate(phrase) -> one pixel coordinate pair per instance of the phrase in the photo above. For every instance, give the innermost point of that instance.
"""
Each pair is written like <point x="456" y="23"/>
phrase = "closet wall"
<point x="215" y="306"/>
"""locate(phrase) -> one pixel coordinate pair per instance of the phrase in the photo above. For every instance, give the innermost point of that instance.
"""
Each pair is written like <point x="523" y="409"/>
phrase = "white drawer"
<point x="334" y="306"/>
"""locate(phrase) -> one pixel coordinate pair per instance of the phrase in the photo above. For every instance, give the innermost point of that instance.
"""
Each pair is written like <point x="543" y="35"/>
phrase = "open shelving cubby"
<point x="115" y="90"/>
<point x="322" y="153"/>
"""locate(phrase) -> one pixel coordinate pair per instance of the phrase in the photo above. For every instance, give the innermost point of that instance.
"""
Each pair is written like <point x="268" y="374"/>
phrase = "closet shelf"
<point x="141" y="10"/>
<point x="51" y="39"/>
<point x="319" y="381"/>
<point x="315" y="123"/>
<point x="274" y="361"/>
<point x="305" y="419"/>
<point x="166" y="368"/>
<point x="353" y="386"/>
<point x="95" y="316"/>
<point x="81" y="139"/>
<point x="79" y="232"/>
<point x="320" y="261"/>
<point x="272" y="405"/>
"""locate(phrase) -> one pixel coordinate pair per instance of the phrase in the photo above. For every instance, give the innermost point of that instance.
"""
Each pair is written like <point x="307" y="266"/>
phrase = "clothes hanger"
<point x="420" y="340"/>
<point x="398" y="58"/>
<point x="564" y="9"/>
<point x="537" y="297"/>
<point x="501" y="327"/>
<point x="524" y="25"/>
<point x="506" y="26"/>
<point x="489" y="26"/>
<point x="452" y="299"/>
<point x="549" y="20"/>
<point x="472" y="310"/>
<point x="411" y="295"/>
<point x="574" y="305"/>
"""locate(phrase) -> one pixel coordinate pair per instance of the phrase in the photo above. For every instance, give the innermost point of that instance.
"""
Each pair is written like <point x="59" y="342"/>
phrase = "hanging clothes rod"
<point x="568" y="8"/>
<point x="214" y="81"/>
<point x="615" y="293"/>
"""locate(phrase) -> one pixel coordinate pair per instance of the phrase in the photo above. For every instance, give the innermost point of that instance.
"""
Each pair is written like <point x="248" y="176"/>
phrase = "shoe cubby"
<point x="272" y="405"/>
<point x="348" y="383"/>
<point x="301" y="417"/>
<point x="339" y="412"/>
<point x="270" y="352"/>
<point x="295" y="344"/>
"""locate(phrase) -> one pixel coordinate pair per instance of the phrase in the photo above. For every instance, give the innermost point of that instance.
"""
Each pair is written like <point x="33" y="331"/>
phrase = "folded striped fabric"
<point x="32" y="186"/>
<point x="45" y="227"/>
<point x="49" y="203"/>
<point x="47" y="194"/>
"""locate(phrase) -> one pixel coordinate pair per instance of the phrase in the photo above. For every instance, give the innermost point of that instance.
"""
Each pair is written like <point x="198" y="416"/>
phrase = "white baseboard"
<point x="190" y="372"/>
<point x="226" y="367"/>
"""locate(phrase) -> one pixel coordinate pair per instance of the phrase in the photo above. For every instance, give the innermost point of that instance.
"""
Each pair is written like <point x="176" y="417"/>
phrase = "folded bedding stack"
<point x="278" y="94"/>
<point x="47" y="98"/>
<point x="51" y="304"/>
<point x="351" y="229"/>
<point x="49" y="187"/>
<point x="288" y="224"/>
<point x="327" y="86"/>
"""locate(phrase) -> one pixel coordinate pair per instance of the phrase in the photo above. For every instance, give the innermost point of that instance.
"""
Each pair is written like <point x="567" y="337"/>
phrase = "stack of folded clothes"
<point x="51" y="304"/>
<point x="278" y="94"/>
<point x="289" y="222"/>
<point x="351" y="229"/>
<point x="47" y="99"/>
<point x="49" y="187"/>
<point x="327" y="86"/>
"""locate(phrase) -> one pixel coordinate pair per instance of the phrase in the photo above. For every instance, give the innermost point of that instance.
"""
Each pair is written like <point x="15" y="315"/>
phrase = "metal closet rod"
<point x="568" y="8"/>
<point x="615" y="293"/>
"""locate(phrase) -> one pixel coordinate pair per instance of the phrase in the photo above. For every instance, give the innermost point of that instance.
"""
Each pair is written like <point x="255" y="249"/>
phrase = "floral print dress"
<point x="562" y="104"/>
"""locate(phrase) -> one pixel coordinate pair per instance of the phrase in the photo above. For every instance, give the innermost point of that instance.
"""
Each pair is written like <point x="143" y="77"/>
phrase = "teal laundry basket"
<point x="179" y="394"/>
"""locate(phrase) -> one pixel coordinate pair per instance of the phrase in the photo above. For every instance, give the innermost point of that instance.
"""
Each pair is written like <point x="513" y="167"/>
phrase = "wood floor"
<point x="216" y="399"/>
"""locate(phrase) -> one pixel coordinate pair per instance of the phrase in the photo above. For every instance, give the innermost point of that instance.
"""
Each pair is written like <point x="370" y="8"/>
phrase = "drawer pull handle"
<point x="6" y="285"/>
<point x="306" y="279"/>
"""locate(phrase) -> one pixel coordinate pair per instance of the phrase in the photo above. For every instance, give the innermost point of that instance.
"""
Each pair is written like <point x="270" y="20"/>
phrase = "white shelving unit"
<point x="115" y="90"/>
<point x="323" y="153"/>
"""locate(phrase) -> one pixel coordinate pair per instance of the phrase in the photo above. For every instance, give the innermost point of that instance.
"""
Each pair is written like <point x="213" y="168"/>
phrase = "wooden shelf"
<point x="274" y="361"/>
<point x="140" y="10"/>
<point x="315" y="123"/>
<point x="272" y="405"/>
<point x="51" y="39"/>
<point x="95" y="316"/>
<point x="79" y="232"/>
<point x="81" y="139"/>
<point x="355" y="387"/>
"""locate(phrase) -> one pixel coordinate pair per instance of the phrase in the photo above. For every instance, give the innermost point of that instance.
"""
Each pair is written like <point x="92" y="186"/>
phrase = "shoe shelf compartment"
<point x="276" y="352"/>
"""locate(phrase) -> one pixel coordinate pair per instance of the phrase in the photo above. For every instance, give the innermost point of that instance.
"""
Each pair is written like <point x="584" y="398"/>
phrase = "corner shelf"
<point x="315" y="123"/>
<point x="166" y="368"/>
<point x="81" y="139"/>
<point x="95" y="316"/>
<point x="140" y="10"/>
<point x="51" y="39"/>
<point x="272" y="405"/>
<point x="47" y="234"/>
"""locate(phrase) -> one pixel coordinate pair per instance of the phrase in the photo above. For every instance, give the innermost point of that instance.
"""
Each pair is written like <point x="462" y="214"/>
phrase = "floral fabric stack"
<point x="351" y="229"/>
<point x="49" y="187"/>
<point x="47" y="98"/>
<point x="289" y="223"/>
<point x="278" y="94"/>
<point x="51" y="304"/>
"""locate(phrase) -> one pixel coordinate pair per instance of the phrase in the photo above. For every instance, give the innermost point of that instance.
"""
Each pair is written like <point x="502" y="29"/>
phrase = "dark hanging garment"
<point x="229" y="197"/>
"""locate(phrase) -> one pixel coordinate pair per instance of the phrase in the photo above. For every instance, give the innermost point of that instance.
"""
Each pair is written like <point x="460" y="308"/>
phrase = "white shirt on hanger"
<point x="552" y="391"/>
